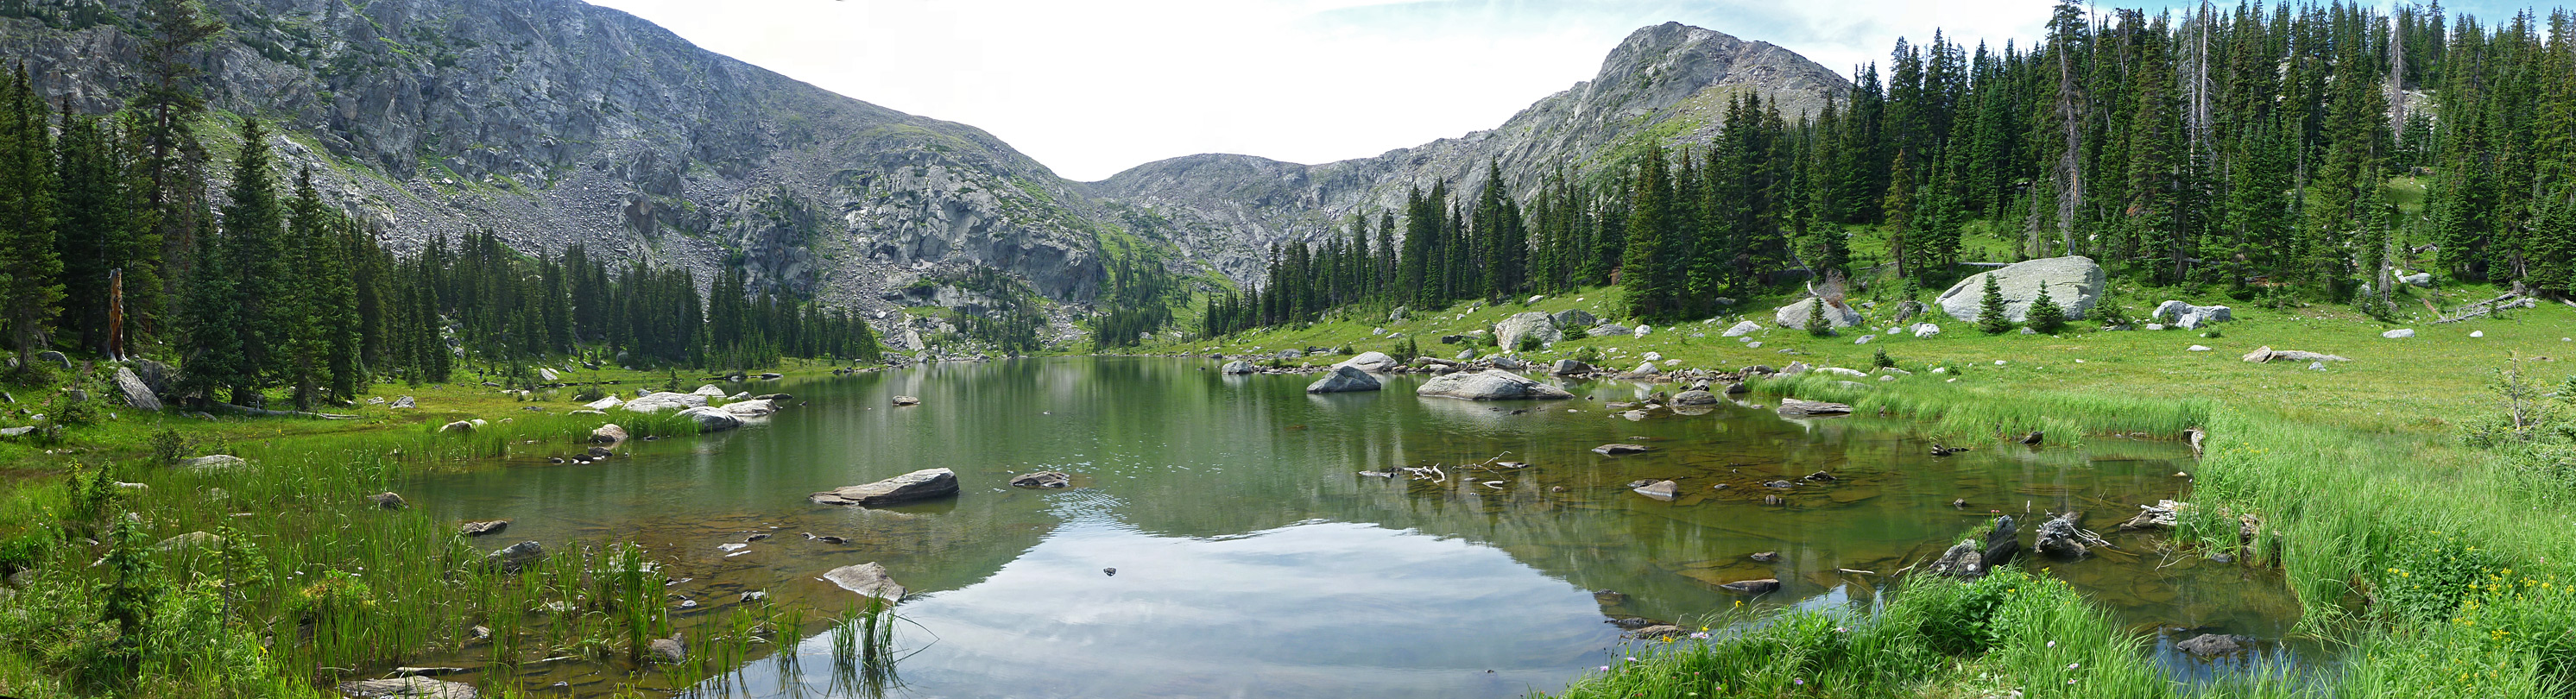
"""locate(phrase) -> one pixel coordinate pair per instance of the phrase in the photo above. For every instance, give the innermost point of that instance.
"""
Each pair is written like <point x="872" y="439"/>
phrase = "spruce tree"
<point x="1816" y="323"/>
<point x="254" y="245"/>
<point x="2045" y="316"/>
<point x="30" y="268"/>
<point x="1991" y="316"/>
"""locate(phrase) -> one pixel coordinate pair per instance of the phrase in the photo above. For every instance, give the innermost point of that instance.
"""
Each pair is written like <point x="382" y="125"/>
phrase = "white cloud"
<point x="1092" y="88"/>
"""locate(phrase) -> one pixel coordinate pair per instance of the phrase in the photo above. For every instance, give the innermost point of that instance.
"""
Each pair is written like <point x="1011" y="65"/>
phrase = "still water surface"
<point x="1251" y="558"/>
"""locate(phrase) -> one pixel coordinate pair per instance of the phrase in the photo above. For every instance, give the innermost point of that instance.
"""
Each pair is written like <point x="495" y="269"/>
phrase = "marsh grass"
<point x="2007" y="634"/>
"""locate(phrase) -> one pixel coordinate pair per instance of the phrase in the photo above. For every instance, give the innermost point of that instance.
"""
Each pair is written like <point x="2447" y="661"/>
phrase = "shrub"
<point x="589" y="393"/>
<point x="1529" y="343"/>
<point x="1881" y="360"/>
<point x="1588" y="355"/>
<point x="168" y="447"/>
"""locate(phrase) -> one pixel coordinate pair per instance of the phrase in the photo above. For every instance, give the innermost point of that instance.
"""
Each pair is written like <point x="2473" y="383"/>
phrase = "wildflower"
<point x="2052" y="644"/>
<point x="2072" y="666"/>
<point x="1699" y="635"/>
<point x="1605" y="668"/>
<point x="1839" y="629"/>
<point x="1801" y="681"/>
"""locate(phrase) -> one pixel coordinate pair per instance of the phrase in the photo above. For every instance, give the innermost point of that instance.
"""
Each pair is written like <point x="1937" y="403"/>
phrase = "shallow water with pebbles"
<point x="1251" y="557"/>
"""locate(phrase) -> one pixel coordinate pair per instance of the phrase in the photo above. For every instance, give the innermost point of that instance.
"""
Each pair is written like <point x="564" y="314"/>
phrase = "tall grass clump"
<point x="2009" y="633"/>
<point x="1987" y="410"/>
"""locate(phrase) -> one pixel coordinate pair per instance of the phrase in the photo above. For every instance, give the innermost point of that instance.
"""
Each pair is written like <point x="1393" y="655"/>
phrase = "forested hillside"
<point x="2311" y="153"/>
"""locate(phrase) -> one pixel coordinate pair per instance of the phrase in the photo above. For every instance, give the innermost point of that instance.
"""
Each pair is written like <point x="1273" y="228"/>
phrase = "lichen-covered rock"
<point x="2073" y="282"/>
<point x="1837" y="314"/>
<point x="1523" y="325"/>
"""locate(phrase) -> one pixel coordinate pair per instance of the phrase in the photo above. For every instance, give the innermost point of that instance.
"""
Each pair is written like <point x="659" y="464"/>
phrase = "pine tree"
<point x="1645" y="276"/>
<point x="1816" y="323"/>
<point x="1991" y="316"/>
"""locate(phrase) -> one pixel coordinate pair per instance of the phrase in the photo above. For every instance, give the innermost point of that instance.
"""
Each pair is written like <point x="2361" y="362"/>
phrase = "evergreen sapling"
<point x="1990" y="310"/>
<point x="2045" y="315"/>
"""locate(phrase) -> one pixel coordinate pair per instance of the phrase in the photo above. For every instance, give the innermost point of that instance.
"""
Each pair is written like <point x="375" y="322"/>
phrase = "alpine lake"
<point x="1251" y="557"/>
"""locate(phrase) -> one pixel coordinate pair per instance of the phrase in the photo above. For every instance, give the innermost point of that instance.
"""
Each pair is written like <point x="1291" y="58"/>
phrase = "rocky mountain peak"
<point x="1669" y="81"/>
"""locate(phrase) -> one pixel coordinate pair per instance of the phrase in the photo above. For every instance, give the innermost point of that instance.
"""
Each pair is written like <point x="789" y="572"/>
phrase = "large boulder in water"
<point x="2074" y="283"/>
<point x="660" y="401"/>
<point x="712" y="419"/>
<point x="1238" y="367"/>
<point x="1837" y="314"/>
<point x="1343" y="379"/>
<point x="1531" y="324"/>
<point x="918" y="485"/>
<point x="1490" y="384"/>
<point x="1371" y="361"/>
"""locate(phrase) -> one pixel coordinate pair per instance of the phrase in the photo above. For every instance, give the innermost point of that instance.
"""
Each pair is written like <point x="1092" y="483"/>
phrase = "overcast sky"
<point x="1093" y="87"/>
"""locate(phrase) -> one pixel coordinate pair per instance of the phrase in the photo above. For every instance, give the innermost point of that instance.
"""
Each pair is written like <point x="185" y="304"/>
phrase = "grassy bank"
<point x="2414" y="530"/>
<point x="131" y="576"/>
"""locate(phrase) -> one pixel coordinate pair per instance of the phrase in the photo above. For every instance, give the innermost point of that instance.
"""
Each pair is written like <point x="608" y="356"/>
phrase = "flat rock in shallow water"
<point x="414" y="687"/>
<point x="1660" y="490"/>
<point x="1792" y="407"/>
<point x="918" y="485"/>
<point x="1617" y="449"/>
<point x="1754" y="587"/>
<point x="483" y="528"/>
<point x="869" y="579"/>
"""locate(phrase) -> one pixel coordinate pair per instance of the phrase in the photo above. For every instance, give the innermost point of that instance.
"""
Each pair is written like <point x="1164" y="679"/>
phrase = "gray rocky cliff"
<point x="554" y="122"/>
<point x="1669" y="83"/>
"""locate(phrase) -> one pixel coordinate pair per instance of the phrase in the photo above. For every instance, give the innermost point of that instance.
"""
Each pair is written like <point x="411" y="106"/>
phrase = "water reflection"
<point x="1253" y="560"/>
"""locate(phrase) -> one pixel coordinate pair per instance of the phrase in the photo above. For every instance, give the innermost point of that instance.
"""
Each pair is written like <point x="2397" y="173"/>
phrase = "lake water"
<point x="1253" y="560"/>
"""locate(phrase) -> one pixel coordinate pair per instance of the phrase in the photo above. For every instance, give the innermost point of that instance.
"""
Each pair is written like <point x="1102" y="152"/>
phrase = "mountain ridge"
<point x="554" y="122"/>
<point x="1671" y="76"/>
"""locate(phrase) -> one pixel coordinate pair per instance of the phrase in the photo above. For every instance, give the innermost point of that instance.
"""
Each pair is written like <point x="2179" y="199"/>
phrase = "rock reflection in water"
<point x="1253" y="557"/>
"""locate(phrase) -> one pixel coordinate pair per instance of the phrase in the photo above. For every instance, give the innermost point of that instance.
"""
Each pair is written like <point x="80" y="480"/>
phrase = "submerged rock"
<point x="1043" y="479"/>
<point x="1660" y="490"/>
<point x="1617" y="449"/>
<point x="2213" y="644"/>
<point x="413" y="687"/>
<point x="516" y="556"/>
<point x="867" y="579"/>
<point x="918" y="485"/>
